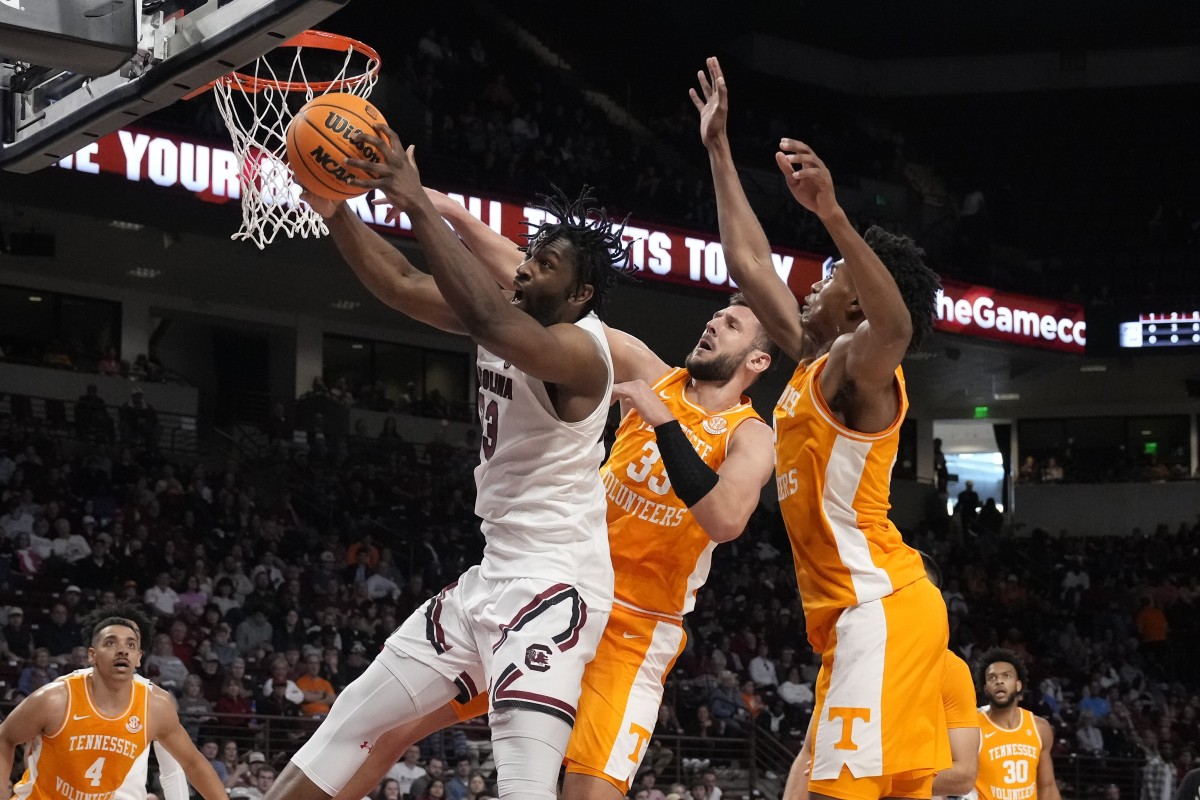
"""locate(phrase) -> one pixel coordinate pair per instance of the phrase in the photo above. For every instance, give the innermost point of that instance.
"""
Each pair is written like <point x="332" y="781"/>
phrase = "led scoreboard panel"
<point x="1171" y="329"/>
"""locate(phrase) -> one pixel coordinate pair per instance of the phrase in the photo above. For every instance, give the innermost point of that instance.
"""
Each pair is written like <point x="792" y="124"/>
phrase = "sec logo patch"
<point x="715" y="425"/>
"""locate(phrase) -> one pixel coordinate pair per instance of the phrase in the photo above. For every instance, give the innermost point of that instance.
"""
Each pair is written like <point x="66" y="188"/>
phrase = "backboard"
<point x="48" y="112"/>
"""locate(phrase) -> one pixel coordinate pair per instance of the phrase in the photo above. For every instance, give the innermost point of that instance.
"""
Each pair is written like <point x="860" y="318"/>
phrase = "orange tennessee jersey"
<point x="90" y="756"/>
<point x="1008" y="759"/>
<point x="833" y="486"/>
<point x="958" y="698"/>
<point x="660" y="554"/>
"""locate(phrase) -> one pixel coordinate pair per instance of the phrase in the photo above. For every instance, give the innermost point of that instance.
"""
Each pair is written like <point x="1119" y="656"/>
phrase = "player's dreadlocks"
<point x="118" y="614"/>
<point x="600" y="257"/>
<point x="918" y="283"/>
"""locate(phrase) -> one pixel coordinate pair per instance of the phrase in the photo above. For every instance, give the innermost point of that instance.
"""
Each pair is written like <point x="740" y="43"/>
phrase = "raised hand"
<point x="714" y="108"/>
<point x="325" y="208"/>
<point x="396" y="172"/>
<point x="641" y="397"/>
<point x="807" y="178"/>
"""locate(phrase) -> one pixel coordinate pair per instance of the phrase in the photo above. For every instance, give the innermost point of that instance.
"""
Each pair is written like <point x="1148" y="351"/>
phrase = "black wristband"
<point x="691" y="478"/>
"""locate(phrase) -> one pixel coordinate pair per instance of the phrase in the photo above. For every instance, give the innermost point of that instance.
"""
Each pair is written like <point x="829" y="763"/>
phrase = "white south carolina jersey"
<point x="540" y="495"/>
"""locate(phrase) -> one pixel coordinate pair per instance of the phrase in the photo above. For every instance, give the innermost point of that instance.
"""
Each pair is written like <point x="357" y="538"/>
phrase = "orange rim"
<point x="316" y="39"/>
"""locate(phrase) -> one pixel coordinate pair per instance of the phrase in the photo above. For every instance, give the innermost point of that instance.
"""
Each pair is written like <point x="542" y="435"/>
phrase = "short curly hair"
<point x="118" y="614"/>
<point x="1002" y="655"/>
<point x="918" y="283"/>
<point x="601" y="257"/>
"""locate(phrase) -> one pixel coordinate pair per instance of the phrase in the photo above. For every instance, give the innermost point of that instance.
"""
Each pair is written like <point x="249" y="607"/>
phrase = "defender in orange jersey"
<point x="878" y="623"/>
<point x="1014" y="757"/>
<point x="962" y="722"/>
<point x="89" y="733"/>
<point x="685" y="473"/>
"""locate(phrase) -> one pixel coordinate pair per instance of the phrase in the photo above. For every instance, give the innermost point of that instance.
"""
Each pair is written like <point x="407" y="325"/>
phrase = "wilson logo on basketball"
<point x="537" y="657"/>
<point x="338" y="124"/>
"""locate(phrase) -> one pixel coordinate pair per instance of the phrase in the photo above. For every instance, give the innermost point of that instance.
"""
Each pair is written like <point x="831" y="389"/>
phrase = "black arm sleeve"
<point x="690" y="476"/>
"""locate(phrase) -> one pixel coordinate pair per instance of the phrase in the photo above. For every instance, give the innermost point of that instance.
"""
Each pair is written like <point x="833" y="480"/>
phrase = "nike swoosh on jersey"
<point x="663" y="394"/>
<point x="629" y="635"/>
<point x="989" y="735"/>
<point x="78" y="717"/>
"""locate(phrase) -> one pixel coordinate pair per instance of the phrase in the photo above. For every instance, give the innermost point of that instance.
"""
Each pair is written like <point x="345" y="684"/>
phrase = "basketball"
<point x="319" y="142"/>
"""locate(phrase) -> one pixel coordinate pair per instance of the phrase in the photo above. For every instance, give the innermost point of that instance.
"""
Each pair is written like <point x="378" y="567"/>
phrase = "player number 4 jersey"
<point x="660" y="554"/>
<point x="91" y="757"/>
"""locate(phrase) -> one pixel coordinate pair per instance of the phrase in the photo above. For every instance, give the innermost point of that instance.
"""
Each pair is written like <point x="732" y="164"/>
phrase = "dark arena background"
<point x="280" y="467"/>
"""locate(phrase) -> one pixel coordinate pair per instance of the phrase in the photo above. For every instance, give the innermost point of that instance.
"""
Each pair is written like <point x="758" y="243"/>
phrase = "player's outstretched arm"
<point x="721" y="500"/>
<point x="959" y="779"/>
<point x="632" y="359"/>
<point x="170" y="733"/>
<point x="565" y="355"/>
<point x="383" y="269"/>
<point x="499" y="254"/>
<point x="747" y="251"/>
<point x="1047" y="784"/>
<point x="879" y="344"/>
<point x="43" y="712"/>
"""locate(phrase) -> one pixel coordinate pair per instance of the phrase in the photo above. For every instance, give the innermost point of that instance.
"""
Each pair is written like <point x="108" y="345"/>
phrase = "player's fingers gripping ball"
<point x="321" y="137"/>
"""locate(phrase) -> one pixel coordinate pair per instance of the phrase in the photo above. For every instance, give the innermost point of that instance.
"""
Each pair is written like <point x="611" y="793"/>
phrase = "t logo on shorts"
<point x="848" y="716"/>
<point x="537" y="657"/>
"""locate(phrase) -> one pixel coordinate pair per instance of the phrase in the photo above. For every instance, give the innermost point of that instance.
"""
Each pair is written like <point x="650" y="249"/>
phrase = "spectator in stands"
<point x="646" y="783"/>
<point x="762" y="669"/>
<point x="212" y="752"/>
<point x="92" y="422"/>
<point x="1088" y="737"/>
<point x="794" y="691"/>
<point x="318" y="693"/>
<point x="67" y="545"/>
<point x="279" y="427"/>
<point x="38" y="674"/>
<point x="16" y="520"/>
<point x="968" y="507"/>
<point x="435" y="771"/>
<point x="164" y="667"/>
<point x="58" y="635"/>
<point x="194" y="707"/>
<point x="161" y="599"/>
<point x="1158" y="776"/>
<point x="407" y="770"/>
<point x="456" y="787"/>
<point x="139" y="422"/>
<point x="17" y="636"/>
<point x="254" y="632"/>
<point x="234" y="706"/>
<point x="280" y="671"/>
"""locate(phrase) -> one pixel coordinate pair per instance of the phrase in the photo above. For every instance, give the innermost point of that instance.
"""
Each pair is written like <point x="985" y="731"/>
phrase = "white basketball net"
<point x="258" y="118"/>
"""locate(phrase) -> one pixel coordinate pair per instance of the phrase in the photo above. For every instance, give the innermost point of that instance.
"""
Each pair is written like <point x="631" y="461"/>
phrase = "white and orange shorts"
<point x="879" y="714"/>
<point x="622" y="690"/>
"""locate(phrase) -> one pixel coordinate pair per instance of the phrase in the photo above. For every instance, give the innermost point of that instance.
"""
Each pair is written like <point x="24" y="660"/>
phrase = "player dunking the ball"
<point x="527" y="620"/>
<point x="89" y="733"/>
<point x="688" y="462"/>
<point x="878" y="623"/>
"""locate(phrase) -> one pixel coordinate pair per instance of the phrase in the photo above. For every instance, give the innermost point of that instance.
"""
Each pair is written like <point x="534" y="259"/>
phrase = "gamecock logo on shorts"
<point x="537" y="657"/>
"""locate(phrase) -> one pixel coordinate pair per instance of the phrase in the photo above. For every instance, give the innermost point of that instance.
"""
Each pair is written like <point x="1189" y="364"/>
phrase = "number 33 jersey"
<point x="90" y="756"/>
<point x="660" y="553"/>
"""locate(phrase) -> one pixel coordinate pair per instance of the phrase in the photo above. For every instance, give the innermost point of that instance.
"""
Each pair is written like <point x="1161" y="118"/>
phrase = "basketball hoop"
<point x="257" y="106"/>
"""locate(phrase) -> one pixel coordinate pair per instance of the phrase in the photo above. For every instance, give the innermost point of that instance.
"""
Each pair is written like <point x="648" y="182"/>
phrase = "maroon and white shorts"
<point x="525" y="641"/>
